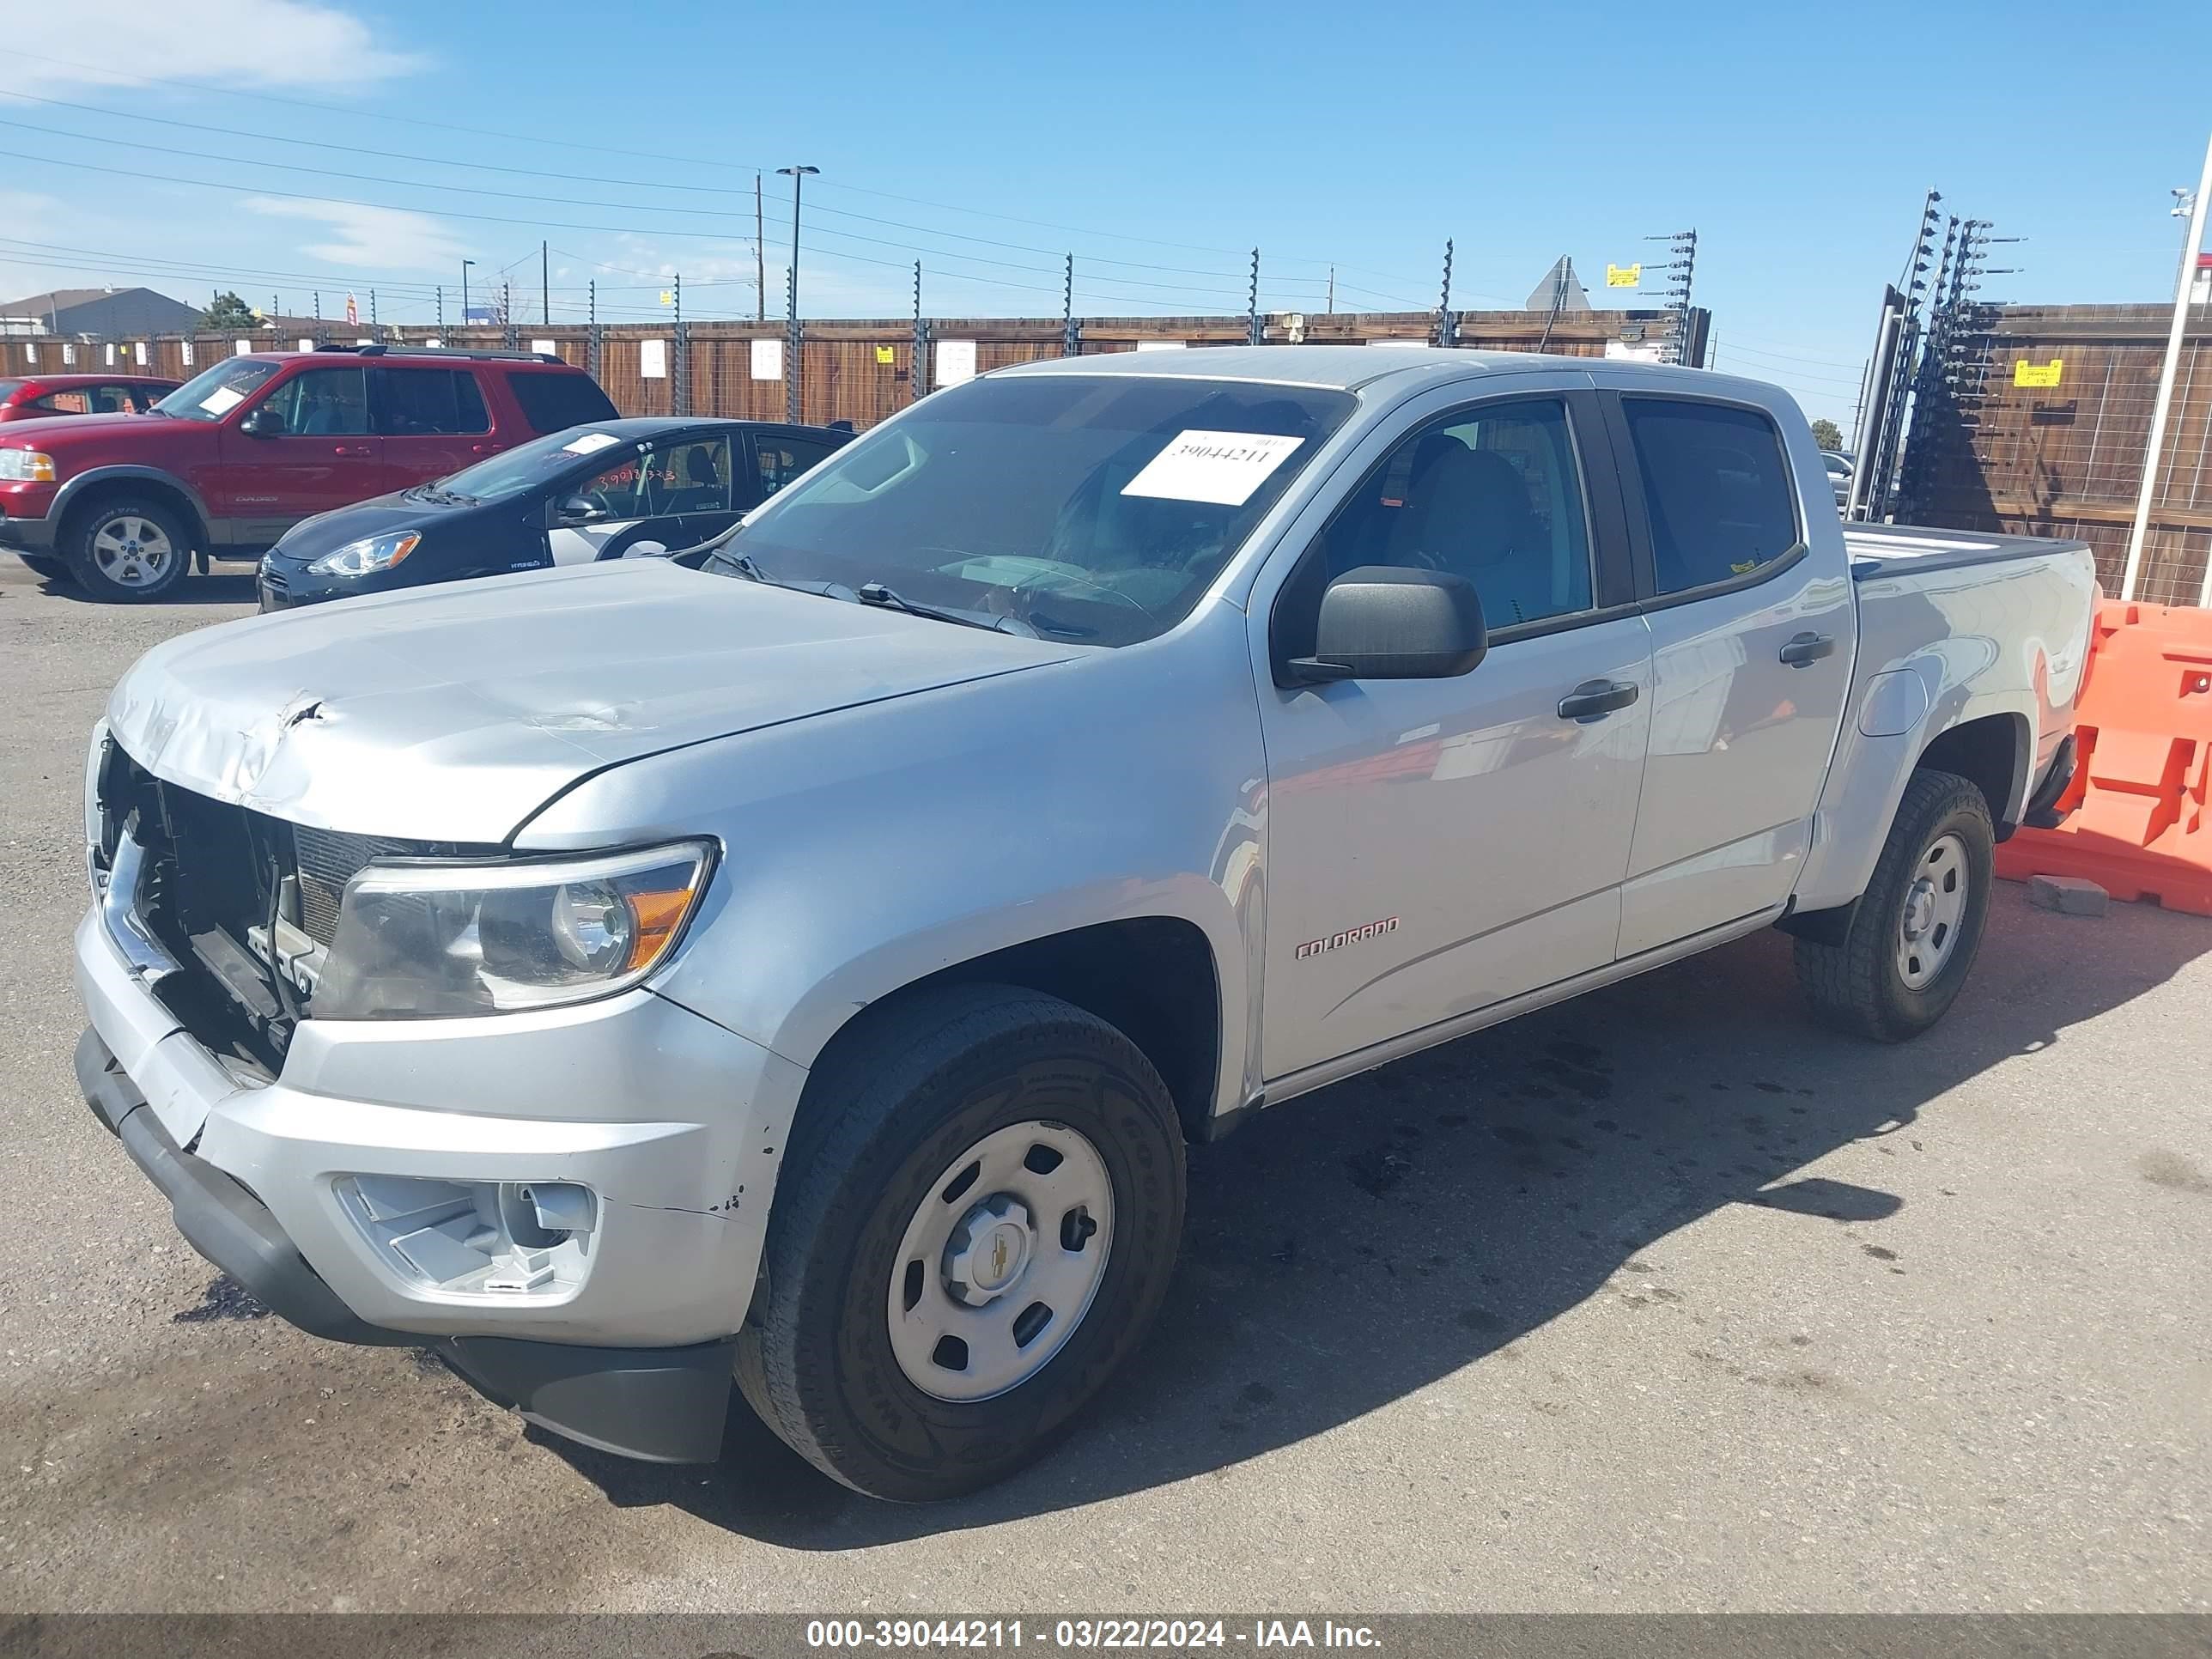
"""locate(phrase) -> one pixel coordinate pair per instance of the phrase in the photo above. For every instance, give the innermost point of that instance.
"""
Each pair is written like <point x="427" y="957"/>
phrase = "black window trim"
<point x="379" y="409"/>
<point x="1631" y="464"/>
<point x="1592" y="446"/>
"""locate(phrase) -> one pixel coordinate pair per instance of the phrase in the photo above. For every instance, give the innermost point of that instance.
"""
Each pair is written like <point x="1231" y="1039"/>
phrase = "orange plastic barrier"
<point x="2139" y="827"/>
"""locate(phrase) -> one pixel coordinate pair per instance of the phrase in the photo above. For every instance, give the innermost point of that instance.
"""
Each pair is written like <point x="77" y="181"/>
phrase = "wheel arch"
<point x="1991" y="752"/>
<point x="1154" y="978"/>
<point x="89" y="490"/>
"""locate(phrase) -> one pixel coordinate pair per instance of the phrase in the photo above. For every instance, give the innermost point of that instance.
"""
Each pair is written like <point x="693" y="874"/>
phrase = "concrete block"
<point x="2068" y="895"/>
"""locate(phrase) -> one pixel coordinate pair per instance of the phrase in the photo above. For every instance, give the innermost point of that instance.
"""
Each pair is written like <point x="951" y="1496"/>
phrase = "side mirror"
<point x="263" y="422"/>
<point x="578" y="509"/>
<point x="1381" y="623"/>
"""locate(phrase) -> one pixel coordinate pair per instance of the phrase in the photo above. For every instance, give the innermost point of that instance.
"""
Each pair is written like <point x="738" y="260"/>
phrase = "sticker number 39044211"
<point x="1221" y="467"/>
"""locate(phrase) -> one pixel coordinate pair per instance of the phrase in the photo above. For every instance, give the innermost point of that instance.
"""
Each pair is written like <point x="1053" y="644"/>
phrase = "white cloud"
<point x="373" y="238"/>
<point x="241" y="43"/>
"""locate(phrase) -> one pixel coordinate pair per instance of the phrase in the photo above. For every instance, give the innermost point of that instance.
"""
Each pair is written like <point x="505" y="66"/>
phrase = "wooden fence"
<point x="2048" y="432"/>
<point x="856" y="371"/>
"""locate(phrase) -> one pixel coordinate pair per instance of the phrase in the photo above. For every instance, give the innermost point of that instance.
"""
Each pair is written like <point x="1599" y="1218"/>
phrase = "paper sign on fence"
<point x="653" y="360"/>
<point x="767" y="360"/>
<point x="956" y="361"/>
<point x="1221" y="467"/>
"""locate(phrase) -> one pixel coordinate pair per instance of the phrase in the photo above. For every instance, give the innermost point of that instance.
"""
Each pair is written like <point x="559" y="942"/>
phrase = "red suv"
<point x="232" y="458"/>
<point x="40" y="396"/>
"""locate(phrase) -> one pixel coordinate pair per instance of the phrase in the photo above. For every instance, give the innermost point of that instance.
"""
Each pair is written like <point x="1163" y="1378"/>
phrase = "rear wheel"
<point x="984" y="1197"/>
<point x="1913" y="935"/>
<point x="127" y="548"/>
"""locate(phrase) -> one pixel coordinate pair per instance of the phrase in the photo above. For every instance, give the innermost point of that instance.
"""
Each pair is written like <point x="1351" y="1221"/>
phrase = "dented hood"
<point x="453" y="713"/>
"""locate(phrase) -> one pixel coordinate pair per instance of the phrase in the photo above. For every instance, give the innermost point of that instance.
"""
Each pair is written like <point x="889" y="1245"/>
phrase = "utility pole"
<point x="791" y="346"/>
<point x="1332" y="290"/>
<point x="917" y="375"/>
<point x="759" y="256"/>
<point x="544" y="288"/>
<point x="1253" y="334"/>
<point x="791" y="350"/>
<point x="441" y="311"/>
<point x="2194" y="207"/>
<point x="465" y="264"/>
<point x="372" y="313"/>
<point x="1068" y="310"/>
<point x="1446" y="325"/>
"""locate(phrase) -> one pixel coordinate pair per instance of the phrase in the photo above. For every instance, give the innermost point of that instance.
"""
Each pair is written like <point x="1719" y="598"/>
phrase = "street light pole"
<point x="465" y="264"/>
<point x="790" y="380"/>
<point x="2161" y="405"/>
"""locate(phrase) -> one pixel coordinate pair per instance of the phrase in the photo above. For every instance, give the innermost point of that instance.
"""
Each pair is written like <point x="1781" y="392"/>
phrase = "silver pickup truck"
<point x="806" y="960"/>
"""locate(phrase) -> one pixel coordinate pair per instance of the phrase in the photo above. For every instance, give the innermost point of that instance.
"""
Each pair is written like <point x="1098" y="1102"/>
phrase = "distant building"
<point x="111" y="313"/>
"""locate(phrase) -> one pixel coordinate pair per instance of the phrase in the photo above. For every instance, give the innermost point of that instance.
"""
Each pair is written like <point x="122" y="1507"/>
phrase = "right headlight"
<point x="368" y="555"/>
<point x="430" y="940"/>
<point x="26" y="466"/>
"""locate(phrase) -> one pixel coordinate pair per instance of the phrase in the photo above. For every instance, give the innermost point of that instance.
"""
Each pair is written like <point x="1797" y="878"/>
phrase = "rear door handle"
<point x="350" y="449"/>
<point x="1593" y="700"/>
<point x="1806" y="649"/>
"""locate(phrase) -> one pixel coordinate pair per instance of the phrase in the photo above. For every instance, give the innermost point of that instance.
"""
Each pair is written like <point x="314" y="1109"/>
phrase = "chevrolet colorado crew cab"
<point x="805" y="959"/>
<point x="226" y="463"/>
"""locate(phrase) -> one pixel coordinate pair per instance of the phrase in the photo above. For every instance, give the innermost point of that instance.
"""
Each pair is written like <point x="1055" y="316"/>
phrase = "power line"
<point x="541" y="173"/>
<point x="580" y="202"/>
<point x="324" y="111"/>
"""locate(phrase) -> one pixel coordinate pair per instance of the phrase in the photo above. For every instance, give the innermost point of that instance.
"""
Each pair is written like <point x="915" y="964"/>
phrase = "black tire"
<point x="910" y="1088"/>
<point x="1858" y="986"/>
<point x="46" y="566"/>
<point x="84" y="530"/>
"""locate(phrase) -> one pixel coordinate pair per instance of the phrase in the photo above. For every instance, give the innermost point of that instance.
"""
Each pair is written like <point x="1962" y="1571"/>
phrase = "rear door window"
<point x="779" y="459"/>
<point x="552" y="402"/>
<point x="418" y="401"/>
<point x="1717" y="489"/>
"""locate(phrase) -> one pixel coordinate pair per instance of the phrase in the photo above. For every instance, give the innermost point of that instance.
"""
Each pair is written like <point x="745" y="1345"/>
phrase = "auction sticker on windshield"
<point x="222" y="400"/>
<point x="1221" y="467"/>
<point x="588" y="442"/>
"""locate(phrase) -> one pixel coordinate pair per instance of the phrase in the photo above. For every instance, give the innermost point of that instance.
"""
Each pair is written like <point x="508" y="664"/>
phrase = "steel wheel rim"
<point x="131" y="552"/>
<point x="1935" y="906"/>
<point x="996" y="1239"/>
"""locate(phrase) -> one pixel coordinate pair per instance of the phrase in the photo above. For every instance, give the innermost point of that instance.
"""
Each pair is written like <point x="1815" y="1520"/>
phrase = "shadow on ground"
<point x="1356" y="1245"/>
<point x="230" y="586"/>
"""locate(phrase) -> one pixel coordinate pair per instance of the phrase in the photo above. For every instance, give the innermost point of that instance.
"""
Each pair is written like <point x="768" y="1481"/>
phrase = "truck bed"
<point x="1897" y="550"/>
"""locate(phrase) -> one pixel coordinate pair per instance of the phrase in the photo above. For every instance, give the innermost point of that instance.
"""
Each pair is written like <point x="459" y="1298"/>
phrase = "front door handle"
<point x="350" y="449"/>
<point x="1593" y="700"/>
<point x="1806" y="649"/>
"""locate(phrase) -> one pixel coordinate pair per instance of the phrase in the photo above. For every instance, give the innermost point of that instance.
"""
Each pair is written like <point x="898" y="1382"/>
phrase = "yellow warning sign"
<point x="886" y="354"/>
<point x="2027" y="373"/>
<point x="1624" y="275"/>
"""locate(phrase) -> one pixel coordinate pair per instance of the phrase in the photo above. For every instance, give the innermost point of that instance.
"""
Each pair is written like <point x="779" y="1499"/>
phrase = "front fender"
<point x="73" y="488"/>
<point x="870" y="848"/>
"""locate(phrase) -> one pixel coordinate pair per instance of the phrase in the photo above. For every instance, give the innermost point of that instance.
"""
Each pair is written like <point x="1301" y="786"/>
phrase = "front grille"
<point x="215" y="875"/>
<point x="326" y="860"/>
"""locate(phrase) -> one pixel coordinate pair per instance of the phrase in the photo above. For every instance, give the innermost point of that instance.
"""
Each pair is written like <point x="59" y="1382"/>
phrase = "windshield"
<point x="528" y="466"/>
<point x="1092" y="508"/>
<point x="213" y="394"/>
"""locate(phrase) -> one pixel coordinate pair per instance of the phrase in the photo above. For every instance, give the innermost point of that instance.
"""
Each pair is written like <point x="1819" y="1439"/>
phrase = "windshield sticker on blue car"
<point x="1221" y="467"/>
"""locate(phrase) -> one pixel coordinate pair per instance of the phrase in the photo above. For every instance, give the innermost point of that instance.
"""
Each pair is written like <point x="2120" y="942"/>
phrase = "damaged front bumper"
<point x="369" y="1192"/>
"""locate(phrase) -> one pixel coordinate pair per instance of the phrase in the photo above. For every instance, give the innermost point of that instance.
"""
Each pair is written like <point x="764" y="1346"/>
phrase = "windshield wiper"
<point x="741" y="562"/>
<point x="876" y="594"/>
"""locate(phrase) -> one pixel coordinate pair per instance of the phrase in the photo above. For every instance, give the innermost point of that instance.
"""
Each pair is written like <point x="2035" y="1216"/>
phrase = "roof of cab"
<point x="1353" y="367"/>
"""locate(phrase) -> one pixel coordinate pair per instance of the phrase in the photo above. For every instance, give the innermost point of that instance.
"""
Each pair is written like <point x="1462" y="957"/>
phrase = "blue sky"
<point x="1155" y="142"/>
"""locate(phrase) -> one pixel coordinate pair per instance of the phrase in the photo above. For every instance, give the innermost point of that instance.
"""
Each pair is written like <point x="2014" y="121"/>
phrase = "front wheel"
<point x="127" y="549"/>
<point x="1913" y="937"/>
<point x="980" y="1219"/>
